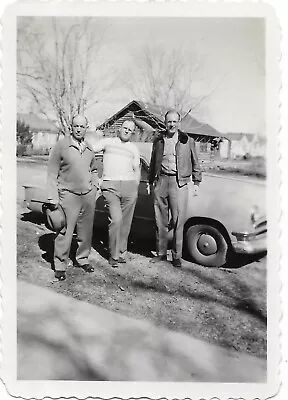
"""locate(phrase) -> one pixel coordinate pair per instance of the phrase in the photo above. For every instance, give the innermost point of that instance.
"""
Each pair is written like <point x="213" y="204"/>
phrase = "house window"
<point x="203" y="147"/>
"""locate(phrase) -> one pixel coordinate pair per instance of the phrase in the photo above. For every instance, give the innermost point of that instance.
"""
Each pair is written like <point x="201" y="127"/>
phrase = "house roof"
<point x="141" y="111"/>
<point x="239" y="136"/>
<point x="154" y="114"/>
<point x="191" y="125"/>
<point x="36" y="123"/>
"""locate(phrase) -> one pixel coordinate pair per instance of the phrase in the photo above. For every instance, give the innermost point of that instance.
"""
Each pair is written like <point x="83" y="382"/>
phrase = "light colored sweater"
<point x="121" y="160"/>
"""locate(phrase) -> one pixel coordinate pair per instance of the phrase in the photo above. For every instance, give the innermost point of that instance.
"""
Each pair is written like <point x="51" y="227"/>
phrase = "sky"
<point x="232" y="53"/>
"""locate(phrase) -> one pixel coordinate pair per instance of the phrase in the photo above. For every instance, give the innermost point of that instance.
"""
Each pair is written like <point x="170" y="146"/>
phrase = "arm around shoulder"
<point x="99" y="145"/>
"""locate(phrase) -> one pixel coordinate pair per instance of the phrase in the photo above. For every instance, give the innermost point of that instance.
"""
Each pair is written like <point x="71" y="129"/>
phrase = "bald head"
<point x="172" y="122"/>
<point x="175" y="112"/>
<point x="79" y="126"/>
<point x="80" y="118"/>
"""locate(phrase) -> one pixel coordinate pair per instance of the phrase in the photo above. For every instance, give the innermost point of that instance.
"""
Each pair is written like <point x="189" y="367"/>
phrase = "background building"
<point x="149" y="121"/>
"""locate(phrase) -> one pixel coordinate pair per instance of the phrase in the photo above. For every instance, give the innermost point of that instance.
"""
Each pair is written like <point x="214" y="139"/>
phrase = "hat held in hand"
<point x="55" y="217"/>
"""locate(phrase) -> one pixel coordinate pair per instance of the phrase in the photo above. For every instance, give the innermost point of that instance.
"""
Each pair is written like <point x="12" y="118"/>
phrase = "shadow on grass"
<point x="100" y="243"/>
<point x="46" y="244"/>
<point x="231" y="300"/>
<point x="100" y="240"/>
<point x="240" y="260"/>
<point x="34" y="217"/>
<point x="238" y="295"/>
<point x="237" y="291"/>
<point x="234" y="294"/>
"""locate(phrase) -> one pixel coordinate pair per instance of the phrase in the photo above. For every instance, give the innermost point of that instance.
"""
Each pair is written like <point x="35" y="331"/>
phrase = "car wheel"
<point x="206" y="245"/>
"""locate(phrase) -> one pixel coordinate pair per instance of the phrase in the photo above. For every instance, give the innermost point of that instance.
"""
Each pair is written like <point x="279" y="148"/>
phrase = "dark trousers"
<point x="168" y="196"/>
<point x="121" y="197"/>
<point x="79" y="210"/>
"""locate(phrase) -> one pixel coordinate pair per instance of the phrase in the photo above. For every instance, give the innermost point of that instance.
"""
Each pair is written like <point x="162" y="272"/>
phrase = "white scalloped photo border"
<point x="125" y="390"/>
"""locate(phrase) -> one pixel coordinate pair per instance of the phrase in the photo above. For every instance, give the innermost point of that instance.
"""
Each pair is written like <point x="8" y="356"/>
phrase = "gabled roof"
<point x="239" y="136"/>
<point x="154" y="114"/>
<point x="154" y="109"/>
<point x="191" y="125"/>
<point x="36" y="123"/>
<point x="141" y="111"/>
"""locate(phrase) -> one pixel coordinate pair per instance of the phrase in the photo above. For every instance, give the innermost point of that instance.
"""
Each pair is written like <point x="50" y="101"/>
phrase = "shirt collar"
<point x="74" y="143"/>
<point x="174" y="137"/>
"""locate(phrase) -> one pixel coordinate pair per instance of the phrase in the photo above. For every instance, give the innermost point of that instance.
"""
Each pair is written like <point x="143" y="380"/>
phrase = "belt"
<point x="168" y="173"/>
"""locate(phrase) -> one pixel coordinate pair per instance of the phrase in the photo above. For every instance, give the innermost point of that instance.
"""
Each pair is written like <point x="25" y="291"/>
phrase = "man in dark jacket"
<point x="173" y="162"/>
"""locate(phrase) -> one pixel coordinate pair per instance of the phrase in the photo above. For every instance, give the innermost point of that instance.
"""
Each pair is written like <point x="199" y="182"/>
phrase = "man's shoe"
<point x="76" y="264"/>
<point x="176" y="262"/>
<point x="87" y="268"/>
<point x="113" y="262"/>
<point x="158" y="259"/>
<point x="121" y="260"/>
<point x="60" y="275"/>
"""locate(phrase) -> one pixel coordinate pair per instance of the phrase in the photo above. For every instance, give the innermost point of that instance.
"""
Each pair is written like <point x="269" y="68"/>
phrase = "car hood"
<point x="229" y="200"/>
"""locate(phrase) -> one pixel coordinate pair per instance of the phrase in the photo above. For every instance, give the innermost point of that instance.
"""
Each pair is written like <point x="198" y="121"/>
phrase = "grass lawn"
<point x="226" y="307"/>
<point x="254" y="167"/>
<point x="223" y="306"/>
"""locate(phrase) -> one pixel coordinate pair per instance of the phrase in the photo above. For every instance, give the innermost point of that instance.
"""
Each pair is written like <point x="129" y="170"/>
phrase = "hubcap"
<point x="207" y="245"/>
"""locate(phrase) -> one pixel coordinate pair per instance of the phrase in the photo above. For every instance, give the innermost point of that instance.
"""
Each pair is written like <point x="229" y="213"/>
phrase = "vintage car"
<point x="226" y="218"/>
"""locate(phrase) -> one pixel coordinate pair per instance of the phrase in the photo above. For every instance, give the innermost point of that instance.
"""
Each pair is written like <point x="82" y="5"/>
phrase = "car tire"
<point x="206" y="245"/>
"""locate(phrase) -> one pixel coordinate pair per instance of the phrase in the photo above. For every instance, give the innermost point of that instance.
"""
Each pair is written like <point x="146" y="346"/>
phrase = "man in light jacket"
<point x="72" y="183"/>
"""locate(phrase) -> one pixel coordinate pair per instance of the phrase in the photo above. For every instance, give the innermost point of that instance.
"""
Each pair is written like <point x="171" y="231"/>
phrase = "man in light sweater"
<point x="72" y="183"/>
<point x="121" y="176"/>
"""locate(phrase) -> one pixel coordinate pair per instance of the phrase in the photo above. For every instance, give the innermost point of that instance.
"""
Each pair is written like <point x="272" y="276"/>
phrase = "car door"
<point x="144" y="222"/>
<point x="101" y="209"/>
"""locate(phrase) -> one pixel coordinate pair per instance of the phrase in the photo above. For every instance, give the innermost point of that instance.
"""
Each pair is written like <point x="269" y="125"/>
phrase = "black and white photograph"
<point x="145" y="190"/>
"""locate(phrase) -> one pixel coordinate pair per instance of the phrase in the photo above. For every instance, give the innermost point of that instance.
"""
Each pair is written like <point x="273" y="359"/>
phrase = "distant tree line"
<point x="23" y="136"/>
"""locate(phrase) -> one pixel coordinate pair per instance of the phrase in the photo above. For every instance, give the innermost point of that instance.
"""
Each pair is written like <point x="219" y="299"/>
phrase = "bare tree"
<point x="60" y="70"/>
<point x="172" y="79"/>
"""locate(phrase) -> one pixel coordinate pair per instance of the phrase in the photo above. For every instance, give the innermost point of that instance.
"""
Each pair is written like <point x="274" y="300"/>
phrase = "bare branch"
<point x="61" y="78"/>
<point x="170" y="79"/>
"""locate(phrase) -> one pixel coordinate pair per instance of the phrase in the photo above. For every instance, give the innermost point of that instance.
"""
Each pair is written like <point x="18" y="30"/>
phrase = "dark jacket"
<point x="186" y="160"/>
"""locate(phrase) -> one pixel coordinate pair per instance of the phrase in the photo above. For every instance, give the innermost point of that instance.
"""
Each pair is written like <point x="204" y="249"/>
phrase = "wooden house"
<point x="149" y="121"/>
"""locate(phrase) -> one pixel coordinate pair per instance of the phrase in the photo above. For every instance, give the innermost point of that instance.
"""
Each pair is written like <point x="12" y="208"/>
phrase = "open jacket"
<point x="186" y="160"/>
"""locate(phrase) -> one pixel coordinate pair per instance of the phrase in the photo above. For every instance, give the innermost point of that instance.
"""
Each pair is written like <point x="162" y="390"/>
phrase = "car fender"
<point x="199" y="220"/>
